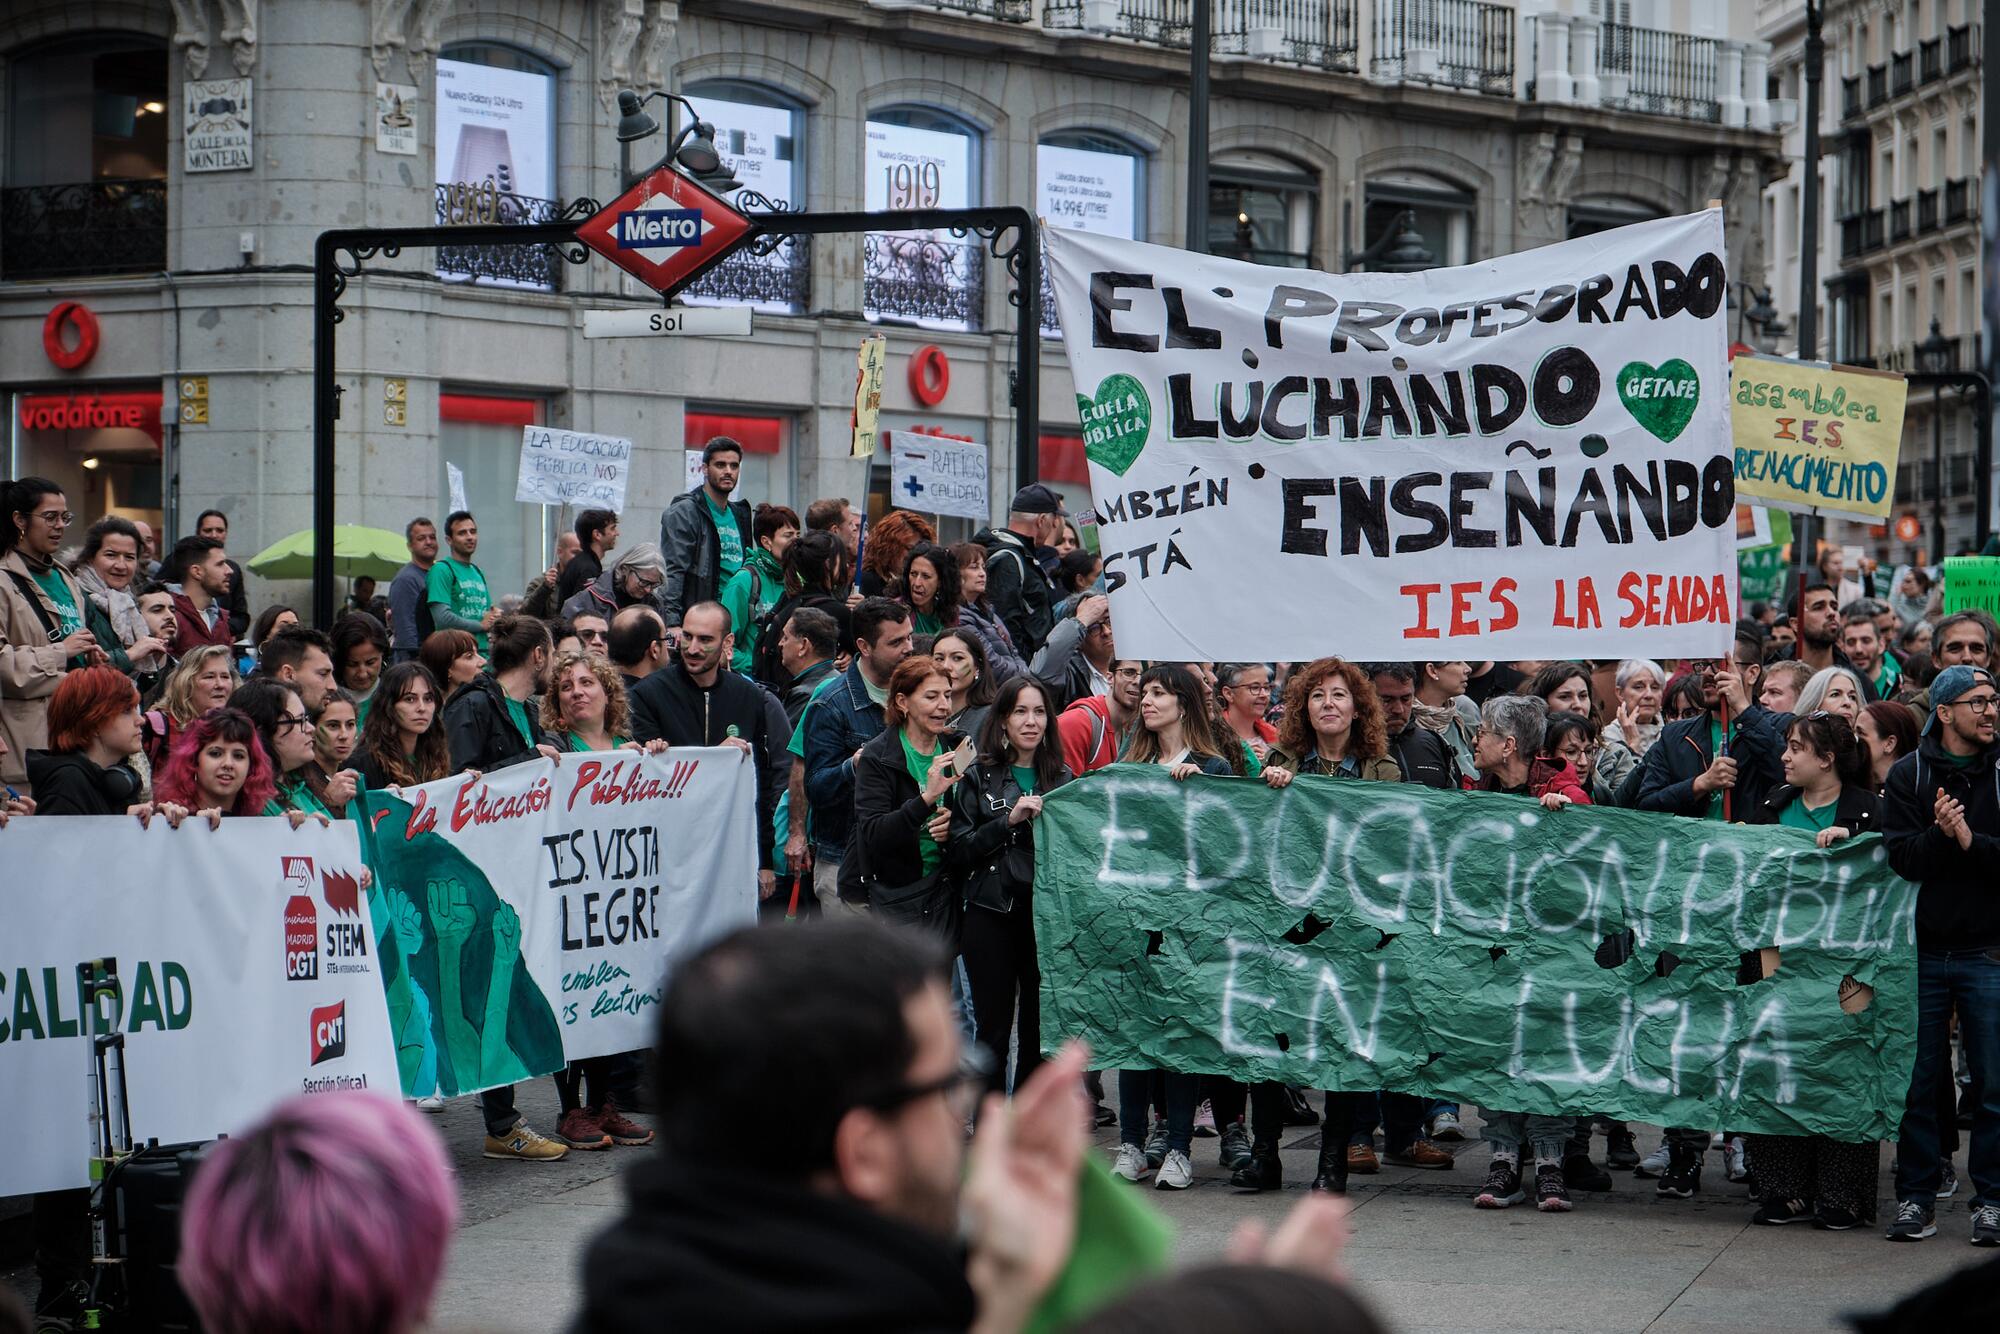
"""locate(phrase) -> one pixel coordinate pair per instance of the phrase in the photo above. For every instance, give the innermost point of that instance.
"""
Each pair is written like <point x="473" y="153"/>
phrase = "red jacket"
<point x="1076" y="725"/>
<point x="191" y="631"/>
<point x="1544" y="776"/>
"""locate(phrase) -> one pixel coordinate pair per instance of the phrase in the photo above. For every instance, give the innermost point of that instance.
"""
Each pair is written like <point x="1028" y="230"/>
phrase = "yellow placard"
<point x="1816" y="438"/>
<point x="873" y="361"/>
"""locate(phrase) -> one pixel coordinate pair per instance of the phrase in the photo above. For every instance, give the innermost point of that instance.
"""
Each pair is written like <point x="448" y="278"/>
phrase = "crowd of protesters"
<point x="909" y="705"/>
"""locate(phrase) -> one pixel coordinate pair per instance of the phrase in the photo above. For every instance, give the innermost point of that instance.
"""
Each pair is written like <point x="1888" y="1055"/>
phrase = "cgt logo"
<point x="301" y="939"/>
<point x="298" y="875"/>
<point x="329" y="1032"/>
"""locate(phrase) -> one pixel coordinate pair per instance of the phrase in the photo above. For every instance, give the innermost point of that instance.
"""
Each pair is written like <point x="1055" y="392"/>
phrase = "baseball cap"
<point x="1953" y="682"/>
<point x="1034" y="498"/>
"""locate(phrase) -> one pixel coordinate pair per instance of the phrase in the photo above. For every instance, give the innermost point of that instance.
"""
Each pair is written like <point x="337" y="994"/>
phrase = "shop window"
<point x="766" y="476"/>
<point x="922" y="158"/>
<point x="1442" y="209"/>
<point x="1060" y="463"/>
<point x="101" y="447"/>
<point x="761" y="137"/>
<point x="480" y="434"/>
<point x="1089" y="183"/>
<point x="1262" y="209"/>
<point x="1589" y="216"/>
<point x="496" y="160"/>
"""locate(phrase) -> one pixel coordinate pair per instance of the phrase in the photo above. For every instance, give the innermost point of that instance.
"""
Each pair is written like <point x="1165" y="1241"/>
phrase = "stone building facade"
<point x="134" y="191"/>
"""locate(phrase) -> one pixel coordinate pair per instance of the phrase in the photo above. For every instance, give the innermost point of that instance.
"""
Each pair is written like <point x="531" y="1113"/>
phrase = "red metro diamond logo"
<point x="329" y="1031"/>
<point x="666" y="230"/>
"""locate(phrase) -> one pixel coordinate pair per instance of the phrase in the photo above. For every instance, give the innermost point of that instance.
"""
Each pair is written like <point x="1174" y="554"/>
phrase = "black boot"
<point x="1263" y="1171"/>
<point x="1620" y="1150"/>
<point x="1297" y="1113"/>
<point x="1331" y="1176"/>
<point x="1683" y="1175"/>
<point x="1579" y="1173"/>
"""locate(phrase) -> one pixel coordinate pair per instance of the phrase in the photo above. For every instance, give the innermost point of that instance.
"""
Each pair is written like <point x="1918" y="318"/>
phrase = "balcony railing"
<point x="1001" y="11"/>
<point x="1958" y="48"/>
<point x="1458" y="43"/>
<point x="1322" y="33"/>
<point x="1927" y="211"/>
<point x="1850" y="97"/>
<point x="1899" y="220"/>
<point x="1902" y="74"/>
<point x="1957" y="202"/>
<point x="1159" y="22"/>
<point x="923" y="279"/>
<point x="1861" y="233"/>
<point x="507" y="266"/>
<point x="87" y="228"/>
<point x="1665" y="73"/>
<point x="780" y="282"/>
<point x="1930" y="60"/>
<point x="1878" y="85"/>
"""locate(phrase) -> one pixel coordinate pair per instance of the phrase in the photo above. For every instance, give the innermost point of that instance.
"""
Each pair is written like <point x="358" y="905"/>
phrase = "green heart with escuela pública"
<point x="1116" y="422"/>
<point x="1661" y="398"/>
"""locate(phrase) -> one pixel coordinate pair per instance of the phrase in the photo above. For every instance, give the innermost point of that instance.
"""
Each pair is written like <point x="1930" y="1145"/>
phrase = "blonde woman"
<point x="204" y="680"/>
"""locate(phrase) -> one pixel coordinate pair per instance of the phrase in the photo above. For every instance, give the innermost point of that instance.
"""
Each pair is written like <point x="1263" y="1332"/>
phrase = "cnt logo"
<point x="301" y="939"/>
<point x="329" y="1031"/>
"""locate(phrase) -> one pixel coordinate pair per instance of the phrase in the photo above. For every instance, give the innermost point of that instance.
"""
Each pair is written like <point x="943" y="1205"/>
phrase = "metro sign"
<point x="666" y="231"/>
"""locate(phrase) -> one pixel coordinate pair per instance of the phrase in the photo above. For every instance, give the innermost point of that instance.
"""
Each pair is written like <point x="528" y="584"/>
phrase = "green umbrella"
<point x="356" y="551"/>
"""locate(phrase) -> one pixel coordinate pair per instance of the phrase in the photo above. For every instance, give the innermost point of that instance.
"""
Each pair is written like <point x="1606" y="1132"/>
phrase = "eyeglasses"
<point x="962" y="1088"/>
<point x="291" y="721"/>
<point x="55" y="516"/>
<point x="1984" y="704"/>
<point x="648" y="584"/>
<point x="599" y="635"/>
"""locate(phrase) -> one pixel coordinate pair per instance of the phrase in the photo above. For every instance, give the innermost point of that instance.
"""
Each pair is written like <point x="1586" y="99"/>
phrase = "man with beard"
<point x="1816" y="613"/>
<point x="1420" y="753"/>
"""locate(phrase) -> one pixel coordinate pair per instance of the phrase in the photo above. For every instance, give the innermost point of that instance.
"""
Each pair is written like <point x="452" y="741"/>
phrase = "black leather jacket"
<point x="994" y="861"/>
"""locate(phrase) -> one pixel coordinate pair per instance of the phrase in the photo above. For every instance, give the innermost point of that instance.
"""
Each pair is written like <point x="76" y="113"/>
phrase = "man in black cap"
<point x="1015" y="584"/>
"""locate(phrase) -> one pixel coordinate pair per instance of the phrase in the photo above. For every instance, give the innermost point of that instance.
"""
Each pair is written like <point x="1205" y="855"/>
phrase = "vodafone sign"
<point x="666" y="230"/>
<point x="136" y="411"/>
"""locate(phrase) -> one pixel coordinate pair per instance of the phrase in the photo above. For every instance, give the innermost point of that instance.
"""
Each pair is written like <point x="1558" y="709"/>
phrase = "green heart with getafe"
<point x="1116" y="422"/>
<point x="1662" y="398"/>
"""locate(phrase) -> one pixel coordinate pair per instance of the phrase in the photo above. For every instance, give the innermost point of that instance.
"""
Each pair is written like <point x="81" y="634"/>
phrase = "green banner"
<point x="1972" y="583"/>
<point x="1352" y="935"/>
<point x="1760" y="572"/>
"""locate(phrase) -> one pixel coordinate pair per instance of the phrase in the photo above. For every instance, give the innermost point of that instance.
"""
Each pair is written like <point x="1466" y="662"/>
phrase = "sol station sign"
<point x="666" y="231"/>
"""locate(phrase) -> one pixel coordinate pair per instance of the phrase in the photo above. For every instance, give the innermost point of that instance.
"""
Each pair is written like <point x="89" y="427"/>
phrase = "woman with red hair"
<point x="886" y="545"/>
<point x="93" y="734"/>
<point x="218" y="767"/>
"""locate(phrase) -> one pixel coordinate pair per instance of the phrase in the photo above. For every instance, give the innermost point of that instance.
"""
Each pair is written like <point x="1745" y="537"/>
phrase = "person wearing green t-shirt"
<point x="1829" y="795"/>
<point x="756" y="587"/>
<point x="704" y="535"/>
<point x="1861" y="639"/>
<point x="457" y="591"/>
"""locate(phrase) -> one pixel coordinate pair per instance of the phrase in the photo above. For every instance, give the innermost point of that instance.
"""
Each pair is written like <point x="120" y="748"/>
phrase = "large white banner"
<point x="247" y="961"/>
<point x="536" y="909"/>
<point x="1528" y="457"/>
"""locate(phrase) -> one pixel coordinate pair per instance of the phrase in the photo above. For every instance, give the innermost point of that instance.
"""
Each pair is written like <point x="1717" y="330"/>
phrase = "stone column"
<point x="1552" y="77"/>
<point x="1756" y="83"/>
<point x="1729" y="82"/>
<point x="1585" y="33"/>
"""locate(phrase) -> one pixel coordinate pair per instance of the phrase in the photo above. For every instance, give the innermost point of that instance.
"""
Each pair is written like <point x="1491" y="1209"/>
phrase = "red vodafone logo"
<point x="930" y="375"/>
<point x="64" y="315"/>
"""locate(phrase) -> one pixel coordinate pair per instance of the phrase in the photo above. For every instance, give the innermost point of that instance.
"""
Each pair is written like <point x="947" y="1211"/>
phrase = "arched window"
<point x="1263" y="209"/>
<point x="1090" y="182"/>
<point x="86" y="186"/>
<point x="1600" y="213"/>
<point x="921" y="157"/>
<point x="496" y="157"/>
<point x="1442" y="210"/>
<point x="760" y="134"/>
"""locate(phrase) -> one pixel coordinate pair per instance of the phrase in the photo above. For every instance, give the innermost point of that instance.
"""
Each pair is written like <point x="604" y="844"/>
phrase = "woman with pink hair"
<point x="218" y="766"/>
<point x="331" y="1216"/>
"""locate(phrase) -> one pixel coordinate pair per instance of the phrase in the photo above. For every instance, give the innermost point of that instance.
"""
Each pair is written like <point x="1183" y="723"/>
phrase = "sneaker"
<point x="1836" y="1220"/>
<point x="1551" y="1195"/>
<point x="1579" y="1173"/>
<point x="1735" y="1163"/>
<point x="1204" y="1120"/>
<point x="1654" y="1164"/>
<point x="621" y="1128"/>
<point x="1102" y="1116"/>
<point x="1176" y="1173"/>
<point x="1156" y="1142"/>
<point x="1986" y="1225"/>
<point x="1715" y="1140"/>
<point x="1421" y="1153"/>
<point x="1682" y="1179"/>
<point x="1502" y="1188"/>
<point x="1621" y="1151"/>
<point x="1445" y="1128"/>
<point x="580" y="1129"/>
<point x="525" y="1145"/>
<point x="1949" y="1186"/>
<point x="1777" y="1213"/>
<point x="1361" y="1160"/>
<point x="434" y="1104"/>
<point x="1131" y="1164"/>
<point x="1235" y="1149"/>
<point x="1913" y="1222"/>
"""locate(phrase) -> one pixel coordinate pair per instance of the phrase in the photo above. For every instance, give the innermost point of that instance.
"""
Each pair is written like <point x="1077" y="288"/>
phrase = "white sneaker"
<point x="1131" y="1164"/>
<point x="1655" y="1163"/>
<point x="1734" y="1164"/>
<point x="1176" y="1173"/>
<point x="434" y="1104"/>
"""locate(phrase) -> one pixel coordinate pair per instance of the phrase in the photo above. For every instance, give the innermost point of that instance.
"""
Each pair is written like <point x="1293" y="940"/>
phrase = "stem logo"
<point x="329" y="1032"/>
<point x="301" y="939"/>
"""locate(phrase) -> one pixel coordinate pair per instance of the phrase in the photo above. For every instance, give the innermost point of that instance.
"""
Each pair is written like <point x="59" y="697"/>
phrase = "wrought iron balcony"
<point x="1902" y="74"/>
<point x="1958" y="48"/>
<point x="780" y="282"/>
<point x="1957" y="201"/>
<point x="83" y="229"/>
<point x="1665" y="73"/>
<point x="1457" y="43"/>
<point x="1850" y="97"/>
<point x="1899" y="221"/>
<point x="1930" y="60"/>
<point x="1322" y="33"/>
<point x="1000" y="11"/>
<point x="1878" y="85"/>
<point x="463" y="205"/>
<point x="1927" y="211"/>
<point x="923" y="279"/>
<point x="1158" y="22"/>
<point x="1861" y="233"/>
